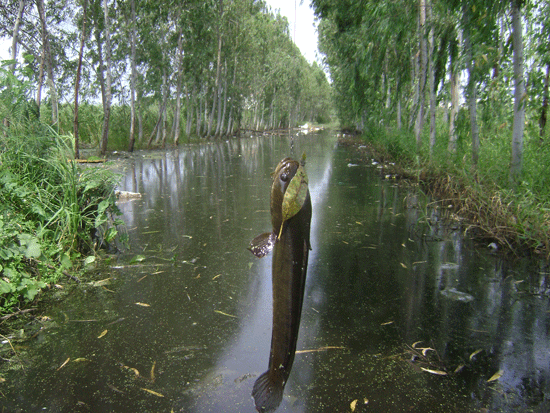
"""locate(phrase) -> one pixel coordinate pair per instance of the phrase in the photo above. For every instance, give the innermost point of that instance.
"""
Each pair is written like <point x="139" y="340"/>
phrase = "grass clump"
<point x="52" y="215"/>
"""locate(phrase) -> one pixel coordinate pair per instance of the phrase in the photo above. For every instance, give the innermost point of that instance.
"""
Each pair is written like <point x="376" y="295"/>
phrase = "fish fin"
<point x="268" y="392"/>
<point x="262" y="244"/>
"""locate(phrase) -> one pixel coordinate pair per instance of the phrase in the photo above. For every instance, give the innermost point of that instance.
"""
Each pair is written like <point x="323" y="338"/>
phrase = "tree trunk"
<point x="419" y="124"/>
<point x="519" y="94"/>
<point x="48" y="60"/>
<point x="15" y="38"/>
<point x="133" y="75"/>
<point x="471" y="88"/>
<point x="177" y="114"/>
<point x="218" y="70"/>
<point x="455" y="98"/>
<point x="108" y="91"/>
<point x="544" y="108"/>
<point x="77" y="81"/>
<point x="431" y="74"/>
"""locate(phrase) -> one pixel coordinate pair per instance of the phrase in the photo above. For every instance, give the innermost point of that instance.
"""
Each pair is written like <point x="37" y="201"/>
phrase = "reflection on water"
<point x="391" y="303"/>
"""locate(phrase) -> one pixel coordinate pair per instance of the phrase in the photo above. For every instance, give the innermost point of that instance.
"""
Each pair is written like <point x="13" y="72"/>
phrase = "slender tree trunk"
<point x="455" y="89"/>
<point x="419" y="124"/>
<point x="544" y="108"/>
<point x="133" y="76"/>
<point x="48" y="60"/>
<point x="519" y="94"/>
<point x="177" y="114"/>
<point x="15" y="37"/>
<point x="431" y="74"/>
<point x="108" y="91"/>
<point x="77" y="81"/>
<point x="218" y="70"/>
<point x="471" y="88"/>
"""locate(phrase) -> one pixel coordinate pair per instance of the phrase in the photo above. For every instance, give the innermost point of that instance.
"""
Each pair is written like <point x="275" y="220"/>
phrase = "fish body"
<point x="289" y="239"/>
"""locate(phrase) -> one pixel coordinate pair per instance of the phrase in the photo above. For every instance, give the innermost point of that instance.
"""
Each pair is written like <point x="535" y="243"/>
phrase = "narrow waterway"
<point x="401" y="312"/>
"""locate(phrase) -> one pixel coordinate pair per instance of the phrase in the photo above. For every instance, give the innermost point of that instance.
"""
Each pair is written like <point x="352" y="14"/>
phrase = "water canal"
<point x="398" y="315"/>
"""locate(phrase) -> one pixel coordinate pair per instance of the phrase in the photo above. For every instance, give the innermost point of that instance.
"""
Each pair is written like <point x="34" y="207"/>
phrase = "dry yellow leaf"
<point x="64" y="364"/>
<point x="102" y="334"/>
<point x="438" y="372"/>
<point x="352" y="405"/>
<point x="143" y="304"/>
<point x="475" y="353"/>
<point x="496" y="376"/>
<point x="152" y="392"/>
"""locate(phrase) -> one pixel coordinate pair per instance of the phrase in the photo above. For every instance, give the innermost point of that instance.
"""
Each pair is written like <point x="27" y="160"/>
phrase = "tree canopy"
<point x="214" y="67"/>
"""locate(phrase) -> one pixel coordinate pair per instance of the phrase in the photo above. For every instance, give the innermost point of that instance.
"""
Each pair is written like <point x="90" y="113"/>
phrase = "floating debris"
<point x="455" y="295"/>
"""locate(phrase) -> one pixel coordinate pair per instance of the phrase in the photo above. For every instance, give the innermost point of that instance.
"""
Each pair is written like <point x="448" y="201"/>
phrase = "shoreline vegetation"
<point x="56" y="217"/>
<point x="517" y="222"/>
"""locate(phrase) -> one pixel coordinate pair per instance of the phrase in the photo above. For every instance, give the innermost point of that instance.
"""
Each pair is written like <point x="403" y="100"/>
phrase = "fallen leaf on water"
<point x="324" y="348"/>
<point x="64" y="364"/>
<point x="152" y="392"/>
<point x="459" y="368"/>
<point x="475" y="353"/>
<point x="143" y="304"/>
<point x="386" y="323"/>
<point x="496" y="376"/>
<point x="352" y="405"/>
<point x="102" y="334"/>
<point x="80" y="359"/>
<point x="415" y="343"/>
<point x="403" y="265"/>
<point x="216" y="276"/>
<point x="153" y="371"/>
<point x="425" y="350"/>
<point x="222" y="313"/>
<point x="438" y="372"/>
<point x="133" y="369"/>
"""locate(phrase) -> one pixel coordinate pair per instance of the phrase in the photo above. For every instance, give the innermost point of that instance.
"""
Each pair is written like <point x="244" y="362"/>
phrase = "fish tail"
<point x="268" y="392"/>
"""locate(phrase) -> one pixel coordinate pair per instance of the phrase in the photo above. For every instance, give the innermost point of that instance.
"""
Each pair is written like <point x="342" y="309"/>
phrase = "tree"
<point x="519" y="93"/>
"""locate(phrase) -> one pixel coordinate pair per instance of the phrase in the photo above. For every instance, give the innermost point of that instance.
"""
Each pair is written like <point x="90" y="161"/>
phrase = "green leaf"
<point x="295" y="195"/>
<point x="137" y="258"/>
<point x="90" y="259"/>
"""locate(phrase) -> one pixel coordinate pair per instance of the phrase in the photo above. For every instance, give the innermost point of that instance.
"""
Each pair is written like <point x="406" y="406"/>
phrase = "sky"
<point x="306" y="29"/>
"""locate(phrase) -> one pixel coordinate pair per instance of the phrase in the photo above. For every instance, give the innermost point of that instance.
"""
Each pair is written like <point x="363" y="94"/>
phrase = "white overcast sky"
<point x="306" y="29"/>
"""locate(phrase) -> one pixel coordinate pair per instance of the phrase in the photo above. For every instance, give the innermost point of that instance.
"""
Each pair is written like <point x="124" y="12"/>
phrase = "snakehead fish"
<point x="289" y="240"/>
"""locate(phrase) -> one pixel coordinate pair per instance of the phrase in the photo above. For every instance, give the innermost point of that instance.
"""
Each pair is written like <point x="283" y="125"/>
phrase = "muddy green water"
<point x="391" y="303"/>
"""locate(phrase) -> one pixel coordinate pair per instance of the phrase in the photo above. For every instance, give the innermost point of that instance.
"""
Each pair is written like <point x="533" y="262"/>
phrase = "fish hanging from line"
<point x="289" y="240"/>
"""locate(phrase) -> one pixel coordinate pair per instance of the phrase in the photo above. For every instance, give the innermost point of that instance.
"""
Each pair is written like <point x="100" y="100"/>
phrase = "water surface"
<point x="401" y="312"/>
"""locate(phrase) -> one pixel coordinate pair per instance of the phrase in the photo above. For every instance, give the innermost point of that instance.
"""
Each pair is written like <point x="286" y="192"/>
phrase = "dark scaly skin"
<point x="289" y="269"/>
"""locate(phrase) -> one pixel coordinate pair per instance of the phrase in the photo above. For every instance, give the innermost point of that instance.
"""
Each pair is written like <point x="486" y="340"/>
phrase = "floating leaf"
<point x="459" y="368"/>
<point x="153" y="371"/>
<point x="153" y="392"/>
<point x="137" y="258"/>
<point x="64" y="364"/>
<point x="143" y="304"/>
<point x="352" y="405"/>
<point x="438" y="372"/>
<point x="425" y="350"/>
<point x="102" y="334"/>
<point x="222" y="313"/>
<point x="475" y="353"/>
<point x="496" y="376"/>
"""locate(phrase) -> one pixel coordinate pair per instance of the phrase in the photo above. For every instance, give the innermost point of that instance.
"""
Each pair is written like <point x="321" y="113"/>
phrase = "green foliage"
<point x="51" y="210"/>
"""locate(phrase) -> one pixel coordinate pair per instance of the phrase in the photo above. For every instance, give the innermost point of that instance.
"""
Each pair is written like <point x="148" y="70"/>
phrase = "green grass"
<point x="515" y="215"/>
<point x="52" y="215"/>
